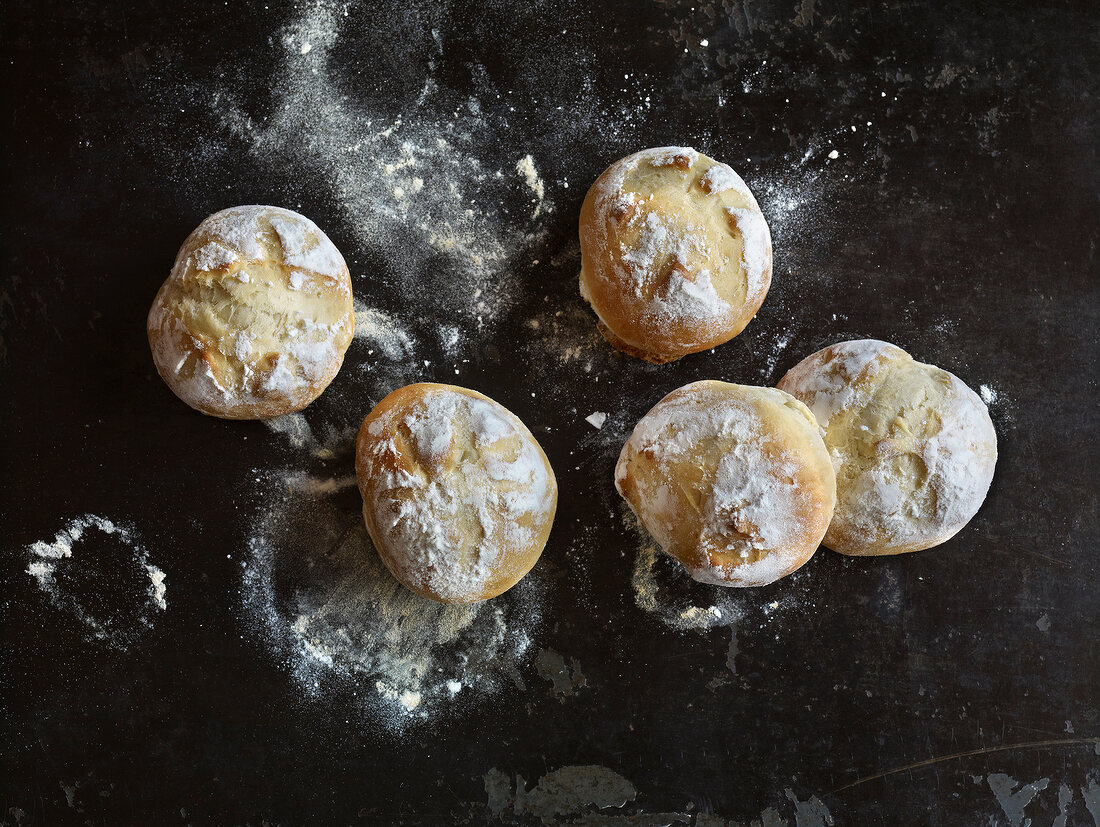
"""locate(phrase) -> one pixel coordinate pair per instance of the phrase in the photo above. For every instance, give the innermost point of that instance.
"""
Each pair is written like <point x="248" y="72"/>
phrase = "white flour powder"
<point x="113" y="599"/>
<point x="316" y="592"/>
<point x="411" y="187"/>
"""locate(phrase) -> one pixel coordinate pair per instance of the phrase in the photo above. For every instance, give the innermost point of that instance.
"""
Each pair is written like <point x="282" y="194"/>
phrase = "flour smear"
<point x="316" y="592"/>
<point x="411" y="187"/>
<point x="97" y="573"/>
<point x="663" y="588"/>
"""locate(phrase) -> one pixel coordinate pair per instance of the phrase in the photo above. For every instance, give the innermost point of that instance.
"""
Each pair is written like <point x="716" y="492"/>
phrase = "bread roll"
<point x="675" y="254"/>
<point x="733" y="481"/>
<point x="914" y="448"/>
<point x="458" y="496"/>
<point x="254" y="318"/>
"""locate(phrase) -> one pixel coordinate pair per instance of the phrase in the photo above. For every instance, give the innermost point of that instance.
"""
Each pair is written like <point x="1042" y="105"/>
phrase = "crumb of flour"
<point x="662" y="588"/>
<point x="525" y="166"/>
<point x="679" y="615"/>
<point x="382" y="332"/>
<point x="596" y="419"/>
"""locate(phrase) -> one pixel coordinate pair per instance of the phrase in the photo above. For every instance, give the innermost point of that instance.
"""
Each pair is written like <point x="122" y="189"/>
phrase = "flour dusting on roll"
<point x="675" y="253"/>
<point x="913" y="446"/>
<point x="733" y="481"/>
<point x="255" y="316"/>
<point x="458" y="496"/>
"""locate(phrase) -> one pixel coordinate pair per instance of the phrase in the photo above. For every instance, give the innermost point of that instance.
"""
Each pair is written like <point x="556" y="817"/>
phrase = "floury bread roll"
<point x="914" y="448"/>
<point x="458" y="496"/>
<point x="733" y="481"/>
<point x="676" y="256"/>
<point x="255" y="317"/>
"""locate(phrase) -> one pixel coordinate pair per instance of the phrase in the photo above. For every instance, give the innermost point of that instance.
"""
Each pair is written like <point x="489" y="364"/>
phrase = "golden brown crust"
<point x="914" y="448"/>
<point x="458" y="496"/>
<point x="255" y="316"/>
<point x="733" y="481"/>
<point x="675" y="254"/>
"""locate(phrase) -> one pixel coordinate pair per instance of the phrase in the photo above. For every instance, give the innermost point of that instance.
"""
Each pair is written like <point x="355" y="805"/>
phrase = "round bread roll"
<point x="913" y="447"/>
<point x="458" y="496"/>
<point x="733" y="481"/>
<point x="676" y="256"/>
<point x="255" y="317"/>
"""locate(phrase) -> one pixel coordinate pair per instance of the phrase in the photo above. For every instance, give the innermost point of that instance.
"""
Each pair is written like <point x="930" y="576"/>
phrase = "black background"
<point x="962" y="225"/>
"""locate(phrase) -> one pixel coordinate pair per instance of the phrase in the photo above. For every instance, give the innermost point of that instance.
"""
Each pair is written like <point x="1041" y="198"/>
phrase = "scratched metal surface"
<point x="959" y="219"/>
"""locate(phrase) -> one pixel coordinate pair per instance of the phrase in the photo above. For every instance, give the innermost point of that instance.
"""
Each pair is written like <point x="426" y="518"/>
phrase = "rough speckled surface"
<point x="958" y="219"/>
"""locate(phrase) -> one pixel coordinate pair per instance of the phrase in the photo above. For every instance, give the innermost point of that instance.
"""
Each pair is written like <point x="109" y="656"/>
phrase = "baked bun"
<point x="254" y="318"/>
<point x="914" y="448"/>
<point x="676" y="256"/>
<point x="733" y="481"/>
<point x="458" y="496"/>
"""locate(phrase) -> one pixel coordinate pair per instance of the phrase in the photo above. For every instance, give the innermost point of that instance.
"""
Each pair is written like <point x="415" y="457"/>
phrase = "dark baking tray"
<point x="959" y="220"/>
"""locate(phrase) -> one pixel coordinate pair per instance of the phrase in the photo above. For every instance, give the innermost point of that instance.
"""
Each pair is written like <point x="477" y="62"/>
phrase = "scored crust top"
<point x="913" y="447"/>
<point x="458" y="496"/>
<point x="675" y="253"/>
<point x="255" y="316"/>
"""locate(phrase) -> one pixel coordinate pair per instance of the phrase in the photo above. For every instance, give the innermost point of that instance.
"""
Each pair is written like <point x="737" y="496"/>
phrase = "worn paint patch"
<point x="1065" y="796"/>
<point x="809" y="813"/>
<point x="575" y="794"/>
<point x="1014" y="803"/>
<point x="498" y="788"/>
<point x="571" y="789"/>
<point x="640" y="820"/>
<point x="566" y="678"/>
<point x="567" y="791"/>
<point x="770" y="818"/>
<point x="1091" y="793"/>
<point x="731" y="653"/>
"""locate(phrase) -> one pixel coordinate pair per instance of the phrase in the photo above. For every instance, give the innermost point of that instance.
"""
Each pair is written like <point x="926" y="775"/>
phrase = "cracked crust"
<point x="255" y="316"/>
<point x="675" y="253"/>
<point x="913" y="447"/>
<point x="458" y="496"/>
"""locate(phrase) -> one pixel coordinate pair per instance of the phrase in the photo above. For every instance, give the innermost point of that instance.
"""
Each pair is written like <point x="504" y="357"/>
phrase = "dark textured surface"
<point x="961" y="224"/>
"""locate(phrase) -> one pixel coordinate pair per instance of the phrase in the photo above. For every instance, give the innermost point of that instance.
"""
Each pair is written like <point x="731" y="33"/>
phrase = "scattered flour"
<point x="680" y="614"/>
<point x="411" y="186"/>
<point x="525" y="166"/>
<point x="383" y="332"/>
<point x="663" y="589"/>
<point x="316" y="592"/>
<point x="296" y="430"/>
<point x="799" y="203"/>
<point x="114" y="601"/>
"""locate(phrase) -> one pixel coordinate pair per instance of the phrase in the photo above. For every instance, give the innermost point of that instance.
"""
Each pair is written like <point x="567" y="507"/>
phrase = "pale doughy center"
<point x="681" y="244"/>
<point x="256" y="332"/>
